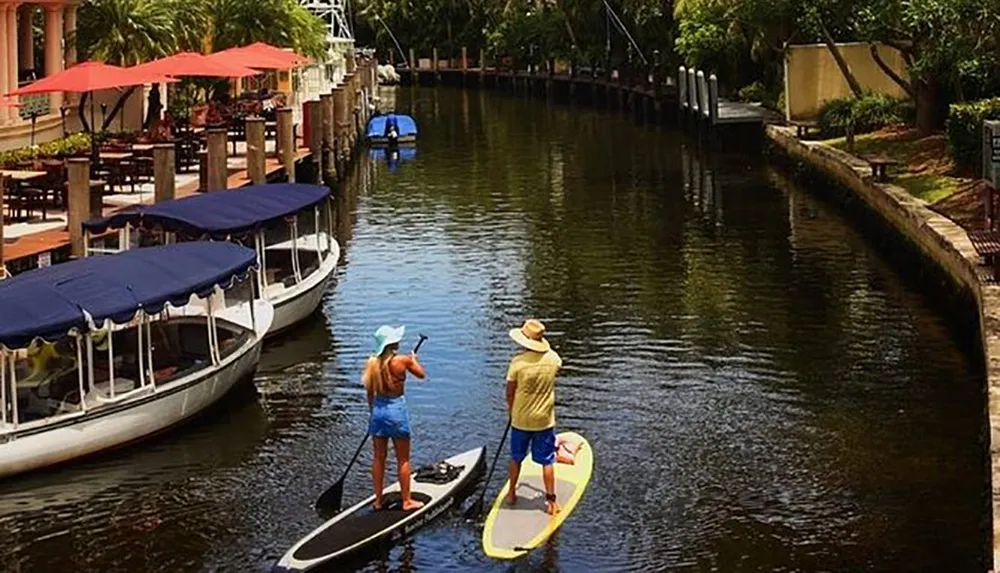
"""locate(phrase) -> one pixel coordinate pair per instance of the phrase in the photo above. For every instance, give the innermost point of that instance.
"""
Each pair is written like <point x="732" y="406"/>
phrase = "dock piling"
<point x="79" y="199"/>
<point x="218" y="170"/>
<point x="286" y="136"/>
<point x="164" y="172"/>
<point x="256" y="150"/>
<point x="329" y="169"/>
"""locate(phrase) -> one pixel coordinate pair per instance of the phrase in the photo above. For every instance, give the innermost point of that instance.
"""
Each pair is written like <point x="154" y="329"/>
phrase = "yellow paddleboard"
<point x="512" y="531"/>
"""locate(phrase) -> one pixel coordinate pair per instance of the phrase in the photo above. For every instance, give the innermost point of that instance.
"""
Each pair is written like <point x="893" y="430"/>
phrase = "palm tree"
<point x="127" y="32"/>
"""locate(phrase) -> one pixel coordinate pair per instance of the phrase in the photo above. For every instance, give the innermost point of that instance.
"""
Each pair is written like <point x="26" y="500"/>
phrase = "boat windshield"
<point x="295" y="250"/>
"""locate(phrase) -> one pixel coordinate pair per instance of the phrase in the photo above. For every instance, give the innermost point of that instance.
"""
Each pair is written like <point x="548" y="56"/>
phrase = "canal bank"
<point x="941" y="241"/>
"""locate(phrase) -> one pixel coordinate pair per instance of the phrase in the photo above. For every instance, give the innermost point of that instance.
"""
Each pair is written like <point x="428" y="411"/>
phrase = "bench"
<point x="879" y="163"/>
<point x="987" y="245"/>
<point x="802" y="127"/>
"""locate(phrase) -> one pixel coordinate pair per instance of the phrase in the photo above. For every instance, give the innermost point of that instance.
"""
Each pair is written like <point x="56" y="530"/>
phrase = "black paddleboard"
<point x="360" y="526"/>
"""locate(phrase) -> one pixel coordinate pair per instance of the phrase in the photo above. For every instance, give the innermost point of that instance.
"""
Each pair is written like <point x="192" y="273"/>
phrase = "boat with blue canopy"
<point x="391" y="129"/>
<point x="100" y="352"/>
<point x="289" y="225"/>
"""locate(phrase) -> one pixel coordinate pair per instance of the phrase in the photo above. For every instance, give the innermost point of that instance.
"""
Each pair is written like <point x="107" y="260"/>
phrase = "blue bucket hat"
<point x="386" y="335"/>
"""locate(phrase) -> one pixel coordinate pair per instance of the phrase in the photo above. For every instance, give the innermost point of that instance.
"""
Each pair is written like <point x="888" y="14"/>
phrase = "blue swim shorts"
<point x="542" y="443"/>
<point x="389" y="418"/>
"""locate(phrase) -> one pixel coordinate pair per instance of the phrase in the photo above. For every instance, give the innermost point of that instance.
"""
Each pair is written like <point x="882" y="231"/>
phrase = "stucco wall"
<point x="812" y="76"/>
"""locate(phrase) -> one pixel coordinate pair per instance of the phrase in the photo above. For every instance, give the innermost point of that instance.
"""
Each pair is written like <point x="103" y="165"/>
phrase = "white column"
<point x="54" y="49"/>
<point x="4" y="85"/>
<point x="12" y="59"/>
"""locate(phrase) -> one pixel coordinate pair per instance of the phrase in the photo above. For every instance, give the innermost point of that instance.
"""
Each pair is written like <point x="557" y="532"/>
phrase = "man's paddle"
<point x="330" y="500"/>
<point x="476" y="509"/>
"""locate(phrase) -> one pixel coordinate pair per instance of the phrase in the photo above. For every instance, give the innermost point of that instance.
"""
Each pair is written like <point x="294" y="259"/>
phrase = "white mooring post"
<point x="693" y="90"/>
<point x="713" y="98"/>
<point x="702" y="95"/>
<point x="682" y="89"/>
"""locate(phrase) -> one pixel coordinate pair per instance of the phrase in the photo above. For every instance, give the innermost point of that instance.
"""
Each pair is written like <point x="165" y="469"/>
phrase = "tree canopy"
<point x="127" y="32"/>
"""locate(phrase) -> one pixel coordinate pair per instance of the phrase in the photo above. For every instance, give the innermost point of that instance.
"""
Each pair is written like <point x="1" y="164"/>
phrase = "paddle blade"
<point x="330" y="500"/>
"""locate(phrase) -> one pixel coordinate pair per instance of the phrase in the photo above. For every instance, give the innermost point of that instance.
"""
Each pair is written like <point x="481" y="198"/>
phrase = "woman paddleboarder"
<point x="385" y="379"/>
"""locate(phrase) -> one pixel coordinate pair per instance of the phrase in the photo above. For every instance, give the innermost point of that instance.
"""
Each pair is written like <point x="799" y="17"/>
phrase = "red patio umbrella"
<point x="274" y="52"/>
<point x="252" y="60"/>
<point x="192" y="64"/>
<point x="88" y="77"/>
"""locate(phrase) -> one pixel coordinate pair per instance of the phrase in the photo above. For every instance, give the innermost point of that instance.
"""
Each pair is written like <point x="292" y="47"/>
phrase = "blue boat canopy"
<point x="404" y="124"/>
<point x="219" y="213"/>
<point x="49" y="302"/>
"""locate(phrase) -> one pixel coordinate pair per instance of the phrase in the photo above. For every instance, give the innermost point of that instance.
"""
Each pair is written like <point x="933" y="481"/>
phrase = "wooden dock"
<point x="698" y="99"/>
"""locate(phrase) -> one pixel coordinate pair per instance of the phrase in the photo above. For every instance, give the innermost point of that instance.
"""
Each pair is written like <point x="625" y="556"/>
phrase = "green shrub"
<point x="866" y="114"/>
<point x="65" y="147"/>
<point x="755" y="92"/>
<point x="965" y="130"/>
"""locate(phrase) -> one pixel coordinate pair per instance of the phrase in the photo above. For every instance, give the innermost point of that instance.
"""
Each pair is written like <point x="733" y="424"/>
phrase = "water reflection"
<point x="762" y="391"/>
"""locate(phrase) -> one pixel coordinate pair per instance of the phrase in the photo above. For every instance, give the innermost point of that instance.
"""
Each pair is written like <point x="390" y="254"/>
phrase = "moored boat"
<point x="289" y="225"/>
<point x="100" y="352"/>
<point x="391" y="129"/>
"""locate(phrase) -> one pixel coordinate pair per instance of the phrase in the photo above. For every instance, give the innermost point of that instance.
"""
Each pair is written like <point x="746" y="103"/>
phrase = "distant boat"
<point x="290" y="225"/>
<point x="391" y="129"/>
<point x="100" y="352"/>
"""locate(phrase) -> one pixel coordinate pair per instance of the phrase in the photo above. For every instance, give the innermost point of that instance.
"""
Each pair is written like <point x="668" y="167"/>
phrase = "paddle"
<point x="329" y="501"/>
<point x="476" y="509"/>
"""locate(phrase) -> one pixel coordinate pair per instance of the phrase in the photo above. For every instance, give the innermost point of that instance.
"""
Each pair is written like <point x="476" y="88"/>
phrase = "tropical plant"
<point x="128" y="32"/>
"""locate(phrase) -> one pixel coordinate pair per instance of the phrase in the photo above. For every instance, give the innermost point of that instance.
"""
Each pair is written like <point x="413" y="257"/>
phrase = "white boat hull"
<point x="111" y="426"/>
<point x="294" y="304"/>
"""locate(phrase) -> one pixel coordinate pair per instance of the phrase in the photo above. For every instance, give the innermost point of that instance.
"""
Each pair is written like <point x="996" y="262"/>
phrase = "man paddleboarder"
<point x="531" y="403"/>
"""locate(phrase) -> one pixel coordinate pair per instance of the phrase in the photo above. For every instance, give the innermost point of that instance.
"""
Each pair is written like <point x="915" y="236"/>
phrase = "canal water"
<point x="763" y="390"/>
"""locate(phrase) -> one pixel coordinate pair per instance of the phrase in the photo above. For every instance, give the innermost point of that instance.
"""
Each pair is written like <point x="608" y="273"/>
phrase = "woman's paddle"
<point x="476" y="509"/>
<point x="330" y="500"/>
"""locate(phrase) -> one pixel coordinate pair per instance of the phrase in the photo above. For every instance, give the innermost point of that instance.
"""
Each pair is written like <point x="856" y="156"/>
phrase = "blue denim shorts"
<point x="542" y="443"/>
<point x="389" y="418"/>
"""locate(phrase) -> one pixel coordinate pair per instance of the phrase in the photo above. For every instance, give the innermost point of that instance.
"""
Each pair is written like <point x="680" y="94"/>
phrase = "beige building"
<point x="19" y="64"/>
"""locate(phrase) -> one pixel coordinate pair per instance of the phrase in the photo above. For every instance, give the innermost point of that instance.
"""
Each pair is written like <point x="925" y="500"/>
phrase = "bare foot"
<point x="552" y="507"/>
<point x="512" y="498"/>
<point x="377" y="505"/>
<point x="411" y="504"/>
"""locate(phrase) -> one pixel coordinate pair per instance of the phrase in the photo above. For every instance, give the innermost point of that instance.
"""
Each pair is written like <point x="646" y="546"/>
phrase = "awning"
<point x="91" y="76"/>
<point x="219" y="213"/>
<point x="192" y="64"/>
<point x="49" y="302"/>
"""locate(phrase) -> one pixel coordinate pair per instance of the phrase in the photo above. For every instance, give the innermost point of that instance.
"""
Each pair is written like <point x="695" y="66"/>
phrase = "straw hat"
<point x="530" y="336"/>
<point x="386" y="335"/>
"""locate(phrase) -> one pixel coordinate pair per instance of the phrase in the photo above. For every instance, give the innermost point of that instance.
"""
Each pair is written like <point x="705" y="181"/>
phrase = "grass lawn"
<point x="925" y="170"/>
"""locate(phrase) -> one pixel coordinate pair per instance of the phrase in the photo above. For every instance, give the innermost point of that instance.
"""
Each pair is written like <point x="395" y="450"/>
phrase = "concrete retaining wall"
<point x="944" y="242"/>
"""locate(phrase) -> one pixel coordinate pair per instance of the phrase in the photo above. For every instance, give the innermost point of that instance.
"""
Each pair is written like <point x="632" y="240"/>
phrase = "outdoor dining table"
<point x="32" y="197"/>
<point x="113" y="161"/>
<point x="22" y="176"/>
